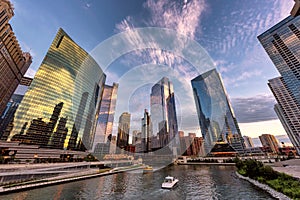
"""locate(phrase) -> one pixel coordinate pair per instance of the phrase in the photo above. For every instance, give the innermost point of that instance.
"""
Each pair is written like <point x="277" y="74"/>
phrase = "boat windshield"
<point x="168" y="180"/>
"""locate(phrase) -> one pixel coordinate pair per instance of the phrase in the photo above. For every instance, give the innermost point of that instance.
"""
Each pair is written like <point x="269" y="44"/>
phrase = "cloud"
<point x="254" y="109"/>
<point x="182" y="17"/>
<point x="30" y="73"/>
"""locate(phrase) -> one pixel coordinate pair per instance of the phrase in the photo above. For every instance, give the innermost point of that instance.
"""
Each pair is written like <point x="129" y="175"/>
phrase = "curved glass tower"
<point x="59" y="110"/>
<point x="216" y="118"/>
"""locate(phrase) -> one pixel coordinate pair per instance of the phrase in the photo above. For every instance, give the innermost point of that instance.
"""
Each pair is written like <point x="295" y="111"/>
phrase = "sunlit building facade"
<point x="106" y="114"/>
<point x="269" y="141"/>
<point x="248" y="142"/>
<point x="59" y="110"/>
<point x="13" y="62"/>
<point x="123" y="131"/>
<point x="282" y="43"/>
<point x="216" y="117"/>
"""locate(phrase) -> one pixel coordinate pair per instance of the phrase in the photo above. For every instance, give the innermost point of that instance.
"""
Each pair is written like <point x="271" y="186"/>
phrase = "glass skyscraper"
<point x="216" y="118"/>
<point x="146" y="132"/>
<point x="282" y="43"/>
<point x="123" y="131"/>
<point x="106" y="116"/>
<point x="59" y="109"/>
<point x="163" y="112"/>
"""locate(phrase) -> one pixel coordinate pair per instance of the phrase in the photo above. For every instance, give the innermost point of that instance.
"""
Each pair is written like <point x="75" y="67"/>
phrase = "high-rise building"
<point x="282" y="42"/>
<point x="113" y="144"/>
<point x="11" y="107"/>
<point x="248" y="142"/>
<point x="163" y="112"/>
<point x="60" y="107"/>
<point x="269" y="141"/>
<point x="13" y="62"/>
<point x="287" y="110"/>
<point x="146" y="132"/>
<point x="216" y="117"/>
<point x="123" y="131"/>
<point x="181" y="134"/>
<point x="106" y="114"/>
<point x="8" y="113"/>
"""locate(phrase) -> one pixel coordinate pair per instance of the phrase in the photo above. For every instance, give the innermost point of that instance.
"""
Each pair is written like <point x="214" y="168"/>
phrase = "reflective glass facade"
<point x="106" y="114"/>
<point x="60" y="107"/>
<point x="123" y="131"/>
<point x="163" y="112"/>
<point x="215" y="114"/>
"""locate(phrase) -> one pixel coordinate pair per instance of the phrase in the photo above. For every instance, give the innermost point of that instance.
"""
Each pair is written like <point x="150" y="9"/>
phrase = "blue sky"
<point x="227" y="30"/>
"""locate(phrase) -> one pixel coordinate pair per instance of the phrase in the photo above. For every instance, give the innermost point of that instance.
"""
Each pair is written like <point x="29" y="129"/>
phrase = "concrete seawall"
<point x="271" y="191"/>
<point x="203" y="163"/>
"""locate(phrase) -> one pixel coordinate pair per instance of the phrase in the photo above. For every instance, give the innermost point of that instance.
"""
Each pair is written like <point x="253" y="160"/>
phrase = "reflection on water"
<point x="195" y="182"/>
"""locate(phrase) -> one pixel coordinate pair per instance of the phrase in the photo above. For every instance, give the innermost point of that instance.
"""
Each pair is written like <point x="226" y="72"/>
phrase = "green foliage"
<point x="265" y="174"/>
<point x="90" y="158"/>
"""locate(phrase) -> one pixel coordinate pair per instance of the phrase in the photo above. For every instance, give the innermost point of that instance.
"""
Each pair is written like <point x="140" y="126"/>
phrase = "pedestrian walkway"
<point x="290" y="167"/>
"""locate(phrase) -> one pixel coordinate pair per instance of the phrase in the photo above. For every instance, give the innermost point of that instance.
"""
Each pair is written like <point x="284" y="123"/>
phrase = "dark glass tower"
<point x="8" y="113"/>
<point x="163" y="113"/>
<point x="216" y="118"/>
<point x="60" y="107"/>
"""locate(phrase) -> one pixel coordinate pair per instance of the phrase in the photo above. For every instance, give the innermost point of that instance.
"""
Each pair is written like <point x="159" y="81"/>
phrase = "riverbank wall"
<point x="205" y="163"/>
<point x="271" y="191"/>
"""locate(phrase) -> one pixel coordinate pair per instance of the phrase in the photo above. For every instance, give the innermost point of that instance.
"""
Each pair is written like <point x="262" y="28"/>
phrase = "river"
<point x="195" y="182"/>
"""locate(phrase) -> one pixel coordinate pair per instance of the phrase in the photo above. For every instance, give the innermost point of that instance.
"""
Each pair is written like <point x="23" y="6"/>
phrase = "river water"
<point x="195" y="182"/>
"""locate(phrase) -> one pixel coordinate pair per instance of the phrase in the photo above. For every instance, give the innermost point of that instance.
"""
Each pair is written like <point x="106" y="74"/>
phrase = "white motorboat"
<point x="169" y="182"/>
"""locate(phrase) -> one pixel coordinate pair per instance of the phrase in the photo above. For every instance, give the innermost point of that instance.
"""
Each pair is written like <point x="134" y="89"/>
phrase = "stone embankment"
<point x="271" y="191"/>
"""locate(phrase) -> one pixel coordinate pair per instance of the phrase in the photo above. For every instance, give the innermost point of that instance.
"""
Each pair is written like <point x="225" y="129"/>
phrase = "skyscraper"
<point x="146" y="132"/>
<point x="106" y="114"/>
<point x="163" y="112"/>
<point x="287" y="110"/>
<point x="13" y="62"/>
<point x="215" y="114"/>
<point x="123" y="131"/>
<point x="248" y="142"/>
<point x="282" y="42"/>
<point x="59" y="109"/>
<point x="9" y="112"/>
<point x="269" y="141"/>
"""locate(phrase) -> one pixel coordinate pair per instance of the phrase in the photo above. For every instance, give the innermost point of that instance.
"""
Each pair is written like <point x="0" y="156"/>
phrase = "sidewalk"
<point x="290" y="167"/>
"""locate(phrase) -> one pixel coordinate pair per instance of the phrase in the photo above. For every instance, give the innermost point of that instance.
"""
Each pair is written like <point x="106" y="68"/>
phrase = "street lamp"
<point x="36" y="156"/>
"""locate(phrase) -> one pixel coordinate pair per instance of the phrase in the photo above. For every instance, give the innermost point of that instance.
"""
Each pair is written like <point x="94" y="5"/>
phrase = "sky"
<point x="225" y="30"/>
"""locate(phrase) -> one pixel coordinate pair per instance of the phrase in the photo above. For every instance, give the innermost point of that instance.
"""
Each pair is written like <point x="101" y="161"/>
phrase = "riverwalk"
<point x="290" y="167"/>
<point x="84" y="174"/>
